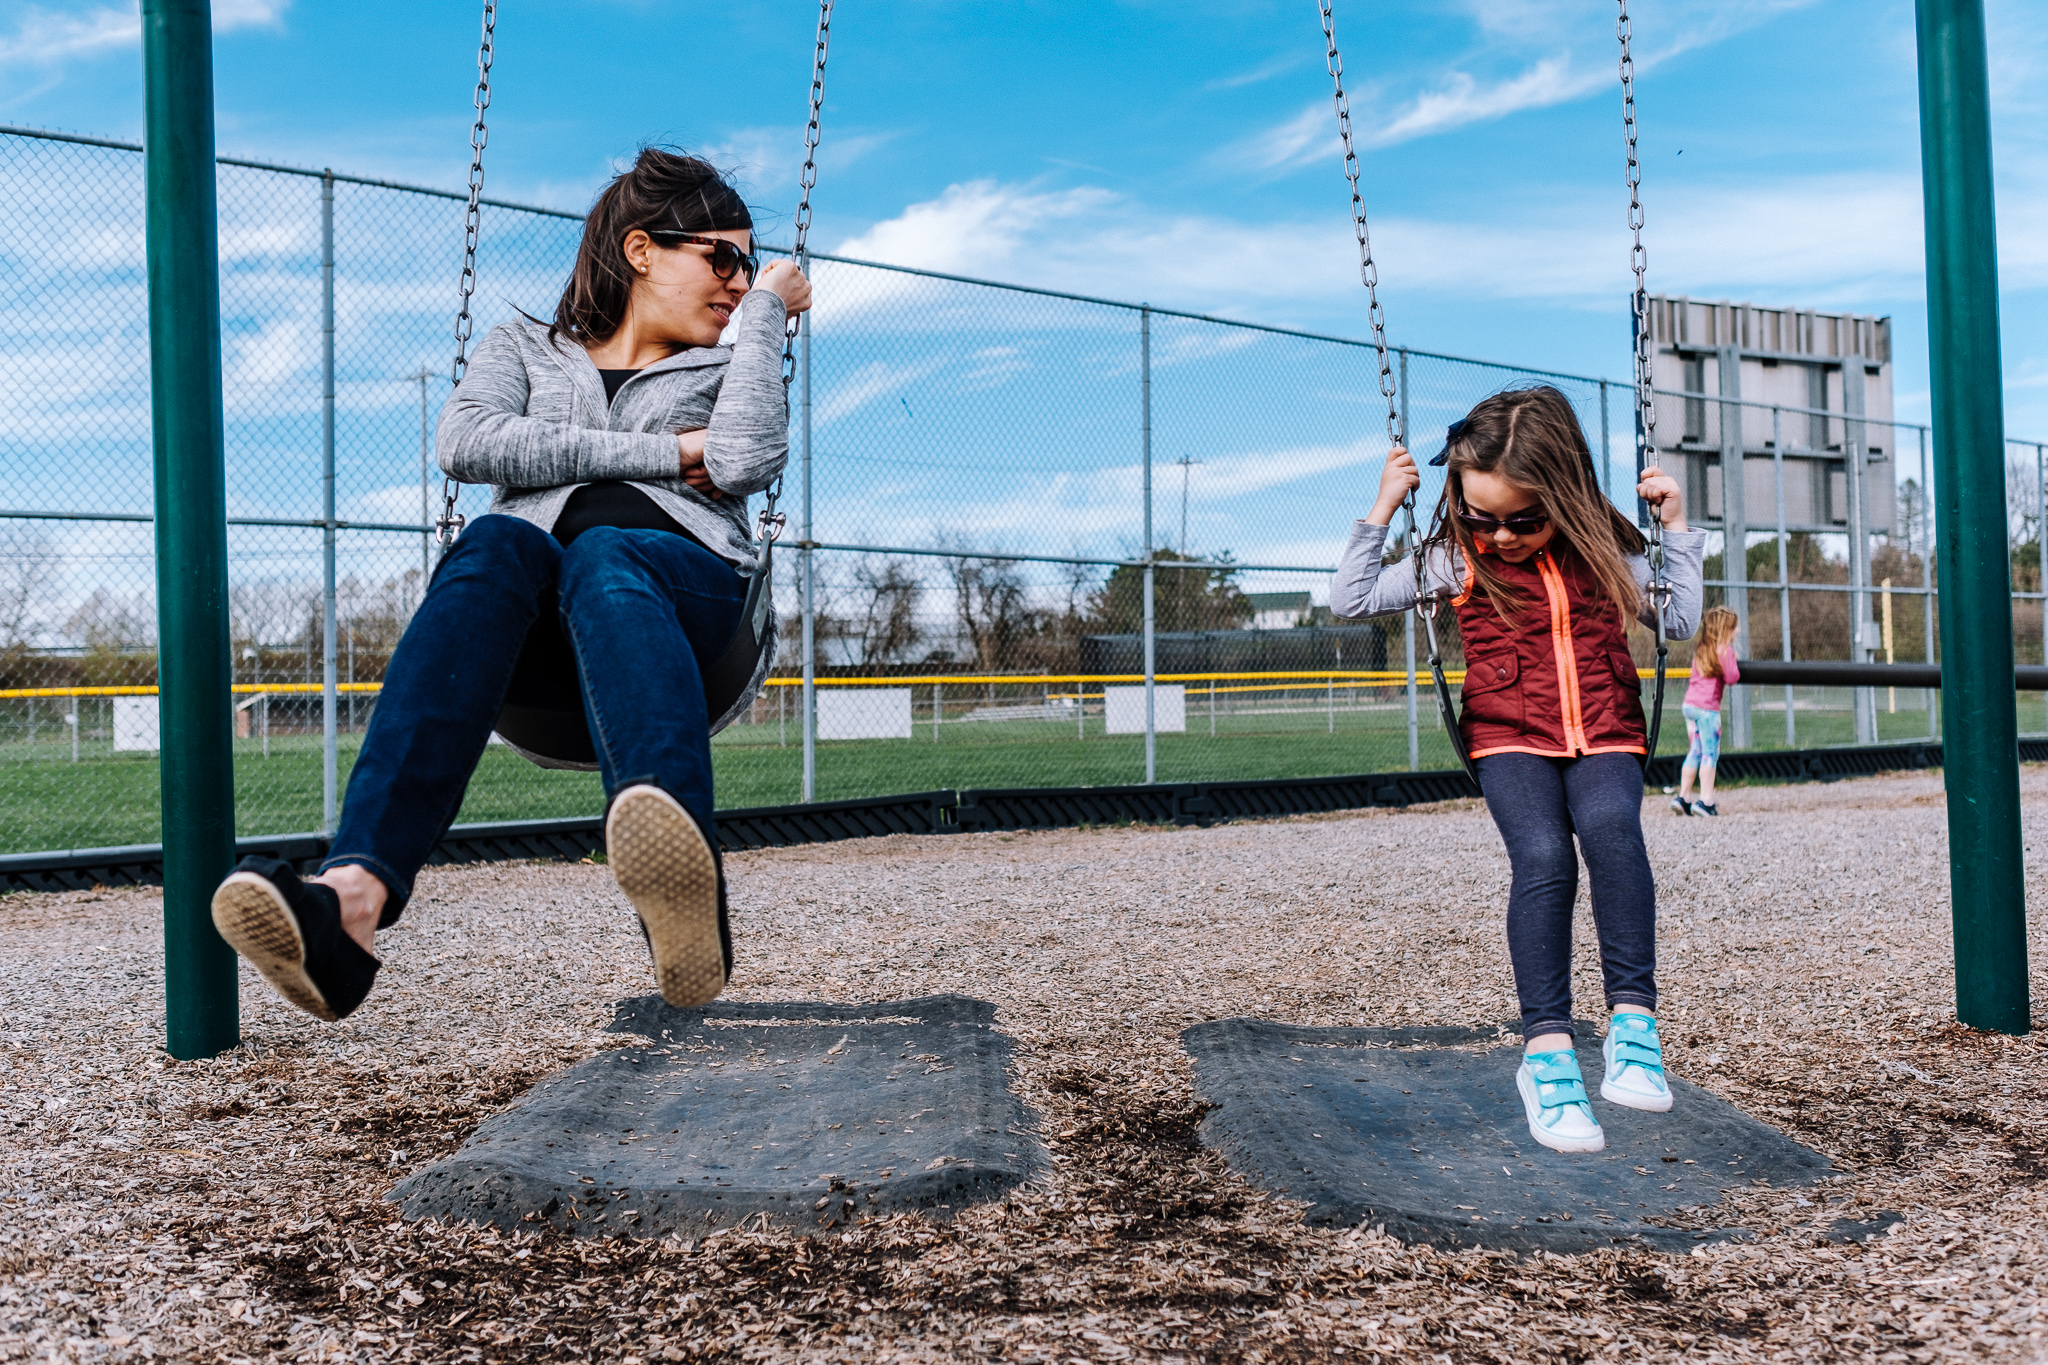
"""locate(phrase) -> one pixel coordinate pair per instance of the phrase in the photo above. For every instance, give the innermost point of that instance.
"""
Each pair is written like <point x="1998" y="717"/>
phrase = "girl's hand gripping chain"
<point x="1660" y="491"/>
<point x="1398" y="479"/>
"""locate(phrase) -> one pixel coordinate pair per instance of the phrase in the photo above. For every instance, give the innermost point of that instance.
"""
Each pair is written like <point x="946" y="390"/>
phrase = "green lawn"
<point x="49" y="802"/>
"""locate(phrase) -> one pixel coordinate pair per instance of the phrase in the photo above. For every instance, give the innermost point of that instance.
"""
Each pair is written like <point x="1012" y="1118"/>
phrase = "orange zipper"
<point x="1567" y="657"/>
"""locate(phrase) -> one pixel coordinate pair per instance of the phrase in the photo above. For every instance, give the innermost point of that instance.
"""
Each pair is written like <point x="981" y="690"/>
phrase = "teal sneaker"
<point x="1554" y="1097"/>
<point x="1635" y="1064"/>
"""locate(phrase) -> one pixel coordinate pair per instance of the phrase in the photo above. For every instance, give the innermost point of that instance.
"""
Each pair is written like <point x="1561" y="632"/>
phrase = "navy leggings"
<point x="1538" y="804"/>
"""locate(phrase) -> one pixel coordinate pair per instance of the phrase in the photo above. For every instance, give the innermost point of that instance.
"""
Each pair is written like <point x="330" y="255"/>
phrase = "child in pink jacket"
<point x="1713" y="668"/>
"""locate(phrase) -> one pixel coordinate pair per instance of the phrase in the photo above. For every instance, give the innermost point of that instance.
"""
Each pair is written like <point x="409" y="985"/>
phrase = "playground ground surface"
<point x="232" y="1209"/>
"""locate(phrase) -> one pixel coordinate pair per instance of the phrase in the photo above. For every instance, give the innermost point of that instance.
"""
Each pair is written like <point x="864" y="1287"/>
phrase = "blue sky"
<point x="1182" y="153"/>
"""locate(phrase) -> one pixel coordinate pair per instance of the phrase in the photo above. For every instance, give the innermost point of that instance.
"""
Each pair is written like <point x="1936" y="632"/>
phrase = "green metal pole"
<point x="1986" y="875"/>
<point x="193" y="656"/>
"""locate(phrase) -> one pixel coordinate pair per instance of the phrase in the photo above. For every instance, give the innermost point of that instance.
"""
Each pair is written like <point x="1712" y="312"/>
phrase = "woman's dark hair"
<point x="664" y="189"/>
<point x="1532" y="438"/>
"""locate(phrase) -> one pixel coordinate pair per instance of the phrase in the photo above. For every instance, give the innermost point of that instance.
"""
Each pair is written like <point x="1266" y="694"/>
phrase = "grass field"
<point x="49" y="802"/>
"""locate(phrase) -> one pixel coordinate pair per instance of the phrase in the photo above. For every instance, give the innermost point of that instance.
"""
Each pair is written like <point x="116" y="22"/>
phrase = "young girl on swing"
<point x="611" y="571"/>
<point x="1544" y="575"/>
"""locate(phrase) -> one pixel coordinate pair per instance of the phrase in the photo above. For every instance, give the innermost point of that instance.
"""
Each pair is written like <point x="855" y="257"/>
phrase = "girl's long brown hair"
<point x="1717" y="628"/>
<point x="664" y="189"/>
<point x="1531" y="438"/>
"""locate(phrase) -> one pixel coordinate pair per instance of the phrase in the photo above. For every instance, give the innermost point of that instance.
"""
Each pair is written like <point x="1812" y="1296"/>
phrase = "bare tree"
<point x="888" y="594"/>
<point x="2022" y="501"/>
<point x="29" y="560"/>
<point x="112" y="623"/>
<point x="271" y="612"/>
<point x="989" y="595"/>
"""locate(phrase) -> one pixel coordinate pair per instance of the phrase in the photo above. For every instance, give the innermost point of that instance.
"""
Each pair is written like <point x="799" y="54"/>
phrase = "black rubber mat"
<point x="814" y="1114"/>
<point x="1422" y="1130"/>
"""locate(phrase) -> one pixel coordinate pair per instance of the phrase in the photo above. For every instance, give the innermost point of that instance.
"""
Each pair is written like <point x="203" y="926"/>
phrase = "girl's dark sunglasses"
<point x="1521" y="524"/>
<point x="727" y="260"/>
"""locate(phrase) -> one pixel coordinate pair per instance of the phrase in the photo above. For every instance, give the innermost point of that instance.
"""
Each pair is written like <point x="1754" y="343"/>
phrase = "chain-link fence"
<point x="970" y="470"/>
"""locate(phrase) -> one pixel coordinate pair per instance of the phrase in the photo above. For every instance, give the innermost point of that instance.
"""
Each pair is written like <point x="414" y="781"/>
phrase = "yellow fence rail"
<point x="1260" y="682"/>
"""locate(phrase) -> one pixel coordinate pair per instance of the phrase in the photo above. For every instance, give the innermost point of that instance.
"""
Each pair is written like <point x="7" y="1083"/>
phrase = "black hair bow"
<point x="1451" y="435"/>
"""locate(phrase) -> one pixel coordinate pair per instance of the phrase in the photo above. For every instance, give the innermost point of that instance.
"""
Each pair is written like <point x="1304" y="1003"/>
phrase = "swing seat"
<point x="559" y="737"/>
<point x="550" y="738"/>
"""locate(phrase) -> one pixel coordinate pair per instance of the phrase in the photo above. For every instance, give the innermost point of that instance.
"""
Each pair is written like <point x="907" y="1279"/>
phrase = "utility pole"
<point x="1184" y="462"/>
<point x="195" y="669"/>
<point x="1987" y="881"/>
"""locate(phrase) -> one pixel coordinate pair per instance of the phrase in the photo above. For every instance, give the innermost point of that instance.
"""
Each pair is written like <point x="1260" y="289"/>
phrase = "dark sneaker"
<point x="1679" y="807"/>
<point x="1702" y="808"/>
<point x="290" y="930"/>
<point x="671" y="873"/>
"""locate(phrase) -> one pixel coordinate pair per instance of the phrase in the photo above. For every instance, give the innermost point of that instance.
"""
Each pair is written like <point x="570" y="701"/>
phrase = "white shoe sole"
<point x="1628" y="1099"/>
<point x="665" y="867"/>
<point x="1596" y="1143"/>
<point x="253" y="918"/>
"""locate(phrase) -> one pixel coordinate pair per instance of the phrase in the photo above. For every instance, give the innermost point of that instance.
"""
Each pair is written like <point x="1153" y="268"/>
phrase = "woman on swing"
<point x="609" y="573"/>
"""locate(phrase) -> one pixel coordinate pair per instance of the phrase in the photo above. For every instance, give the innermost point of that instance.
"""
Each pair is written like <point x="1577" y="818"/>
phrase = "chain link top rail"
<point x="450" y="523"/>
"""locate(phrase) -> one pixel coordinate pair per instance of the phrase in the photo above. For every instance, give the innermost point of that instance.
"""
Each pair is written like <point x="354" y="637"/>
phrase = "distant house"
<point x="1277" y="610"/>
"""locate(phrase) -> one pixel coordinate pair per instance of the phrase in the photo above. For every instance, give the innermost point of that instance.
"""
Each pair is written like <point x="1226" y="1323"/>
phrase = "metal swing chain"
<point x="772" y="521"/>
<point x="450" y="523"/>
<point x="1426" y="603"/>
<point x="1368" y="269"/>
<point x="1646" y="400"/>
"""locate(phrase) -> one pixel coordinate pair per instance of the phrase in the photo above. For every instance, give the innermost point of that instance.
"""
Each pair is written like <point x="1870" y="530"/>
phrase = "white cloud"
<point x="876" y="379"/>
<point x="1838" y="240"/>
<point x="769" y="158"/>
<point x="43" y="37"/>
<point x="1263" y="72"/>
<point x="1581" y="61"/>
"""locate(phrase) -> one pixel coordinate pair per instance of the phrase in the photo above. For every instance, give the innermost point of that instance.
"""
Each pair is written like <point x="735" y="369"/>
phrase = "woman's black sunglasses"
<point x="727" y="260"/>
<point x="1521" y="524"/>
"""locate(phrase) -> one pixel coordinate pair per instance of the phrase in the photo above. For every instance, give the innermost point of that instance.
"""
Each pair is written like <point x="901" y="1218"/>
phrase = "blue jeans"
<point x="1538" y="804"/>
<point x="643" y="613"/>
<point x="1703" y="728"/>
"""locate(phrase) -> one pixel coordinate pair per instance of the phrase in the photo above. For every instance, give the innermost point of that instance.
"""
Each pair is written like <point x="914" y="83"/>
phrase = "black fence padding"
<point x="1005" y="808"/>
<point x="939" y="812"/>
<point x="818" y="1115"/>
<point x="1822" y="765"/>
<point x="825" y="821"/>
<point x="1423" y="1131"/>
<point x="570" y="840"/>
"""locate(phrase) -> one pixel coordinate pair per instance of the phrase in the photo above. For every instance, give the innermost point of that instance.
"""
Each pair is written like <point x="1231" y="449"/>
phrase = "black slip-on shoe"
<point x="290" y="930"/>
<point x="670" y="872"/>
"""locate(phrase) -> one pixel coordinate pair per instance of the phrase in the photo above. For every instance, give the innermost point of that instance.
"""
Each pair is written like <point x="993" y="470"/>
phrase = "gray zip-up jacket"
<point x="530" y="418"/>
<point x="1365" y="587"/>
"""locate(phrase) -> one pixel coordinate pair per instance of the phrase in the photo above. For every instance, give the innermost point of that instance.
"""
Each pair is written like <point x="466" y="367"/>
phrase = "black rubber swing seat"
<point x="559" y="736"/>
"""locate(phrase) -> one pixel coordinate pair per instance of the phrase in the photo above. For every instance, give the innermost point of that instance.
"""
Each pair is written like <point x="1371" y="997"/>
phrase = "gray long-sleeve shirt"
<point x="1365" y="587"/>
<point x="530" y="418"/>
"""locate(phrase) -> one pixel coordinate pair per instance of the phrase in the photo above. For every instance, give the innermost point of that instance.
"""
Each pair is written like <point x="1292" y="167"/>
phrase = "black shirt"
<point x="613" y="504"/>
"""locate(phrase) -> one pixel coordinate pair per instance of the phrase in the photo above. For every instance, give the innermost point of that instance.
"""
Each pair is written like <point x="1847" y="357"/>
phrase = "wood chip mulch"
<point x="233" y="1209"/>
